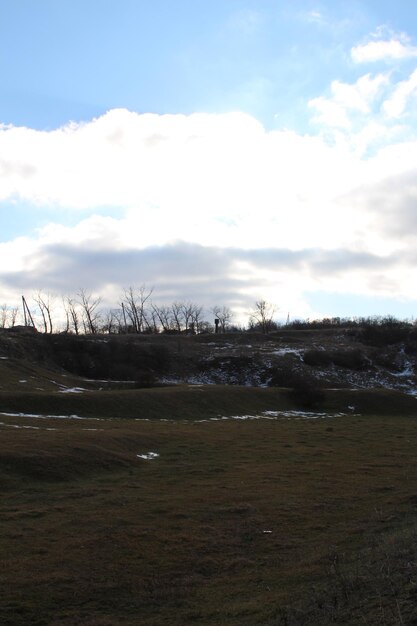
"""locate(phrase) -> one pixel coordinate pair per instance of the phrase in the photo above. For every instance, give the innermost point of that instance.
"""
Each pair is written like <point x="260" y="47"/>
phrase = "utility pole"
<point x="124" y="316"/>
<point x="27" y="314"/>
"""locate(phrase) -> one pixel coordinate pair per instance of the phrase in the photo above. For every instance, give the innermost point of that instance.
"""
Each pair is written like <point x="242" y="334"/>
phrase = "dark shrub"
<point x="384" y="331"/>
<point x="303" y="388"/>
<point x="280" y="376"/>
<point x="235" y="370"/>
<point x="389" y="358"/>
<point x="351" y="359"/>
<point x="110" y="358"/>
<point x="321" y="358"/>
<point x="305" y="391"/>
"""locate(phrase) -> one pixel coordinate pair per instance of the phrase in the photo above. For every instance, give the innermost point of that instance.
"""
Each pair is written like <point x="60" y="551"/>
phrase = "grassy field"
<point x="237" y="522"/>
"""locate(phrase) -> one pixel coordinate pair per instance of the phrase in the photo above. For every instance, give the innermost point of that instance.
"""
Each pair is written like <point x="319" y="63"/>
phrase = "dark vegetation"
<point x="259" y="522"/>
<point x="116" y="360"/>
<point x="353" y="359"/>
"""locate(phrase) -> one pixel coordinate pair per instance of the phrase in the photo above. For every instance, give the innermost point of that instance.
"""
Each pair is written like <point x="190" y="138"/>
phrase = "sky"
<point x="218" y="152"/>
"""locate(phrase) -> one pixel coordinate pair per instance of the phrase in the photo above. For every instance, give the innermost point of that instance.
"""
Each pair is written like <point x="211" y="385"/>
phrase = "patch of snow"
<point x="408" y="371"/>
<point x="275" y="415"/>
<point x="303" y="414"/>
<point x="22" y="381"/>
<point x="171" y="381"/>
<point x="283" y="351"/>
<point x="46" y="417"/>
<point x="4" y="358"/>
<point x="73" y="390"/>
<point x="17" y="426"/>
<point x="109" y="380"/>
<point x="148" y="456"/>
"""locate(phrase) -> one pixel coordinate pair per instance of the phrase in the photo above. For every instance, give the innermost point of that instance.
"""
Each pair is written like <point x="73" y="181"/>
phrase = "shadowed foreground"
<point x="282" y="521"/>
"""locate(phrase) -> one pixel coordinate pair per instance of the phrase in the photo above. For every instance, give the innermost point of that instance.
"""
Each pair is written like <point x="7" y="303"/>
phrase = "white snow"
<point x="408" y="371"/>
<point x="17" y="426"/>
<point x="302" y="414"/>
<point x="109" y="380"/>
<point x="45" y="417"/>
<point x="148" y="456"/>
<point x="283" y="351"/>
<point x="275" y="415"/>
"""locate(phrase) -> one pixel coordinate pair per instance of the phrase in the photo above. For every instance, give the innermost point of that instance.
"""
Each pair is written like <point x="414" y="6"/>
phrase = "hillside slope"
<point x="331" y="358"/>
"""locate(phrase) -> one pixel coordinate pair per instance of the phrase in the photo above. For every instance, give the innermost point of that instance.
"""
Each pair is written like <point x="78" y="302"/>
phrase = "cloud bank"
<point x="217" y="209"/>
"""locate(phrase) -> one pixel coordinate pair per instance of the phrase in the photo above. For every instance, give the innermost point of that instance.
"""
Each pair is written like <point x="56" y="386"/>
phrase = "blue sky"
<point x="64" y="61"/>
<point x="137" y="131"/>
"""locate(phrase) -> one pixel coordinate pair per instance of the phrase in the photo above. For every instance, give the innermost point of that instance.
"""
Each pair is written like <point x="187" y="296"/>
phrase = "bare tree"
<point x="44" y="303"/>
<point x="187" y="315"/>
<point x="72" y="314"/>
<point x="3" y="315"/>
<point x="262" y="315"/>
<point x="134" y="304"/>
<point x="91" y="316"/>
<point x="13" y="315"/>
<point x="112" y="322"/>
<point x="153" y="321"/>
<point x="177" y="315"/>
<point x="164" y="316"/>
<point x="196" y="318"/>
<point x="224" y="315"/>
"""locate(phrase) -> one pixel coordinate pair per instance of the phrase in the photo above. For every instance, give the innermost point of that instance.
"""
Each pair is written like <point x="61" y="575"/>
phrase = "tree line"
<point x="137" y="312"/>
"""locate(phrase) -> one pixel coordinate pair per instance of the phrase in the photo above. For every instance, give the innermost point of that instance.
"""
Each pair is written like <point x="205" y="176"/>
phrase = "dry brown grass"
<point x="235" y="523"/>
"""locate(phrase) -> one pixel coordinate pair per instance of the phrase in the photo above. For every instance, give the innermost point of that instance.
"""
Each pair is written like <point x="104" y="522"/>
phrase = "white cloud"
<point x="216" y="207"/>
<point x="396" y="104"/>
<point x="330" y="112"/>
<point x="210" y="179"/>
<point x="383" y="50"/>
<point x="346" y="98"/>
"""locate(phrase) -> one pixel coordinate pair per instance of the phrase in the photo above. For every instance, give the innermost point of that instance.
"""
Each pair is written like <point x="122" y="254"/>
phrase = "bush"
<point x="384" y="331"/>
<point x="280" y="376"/>
<point x="350" y="359"/>
<point x="304" y="389"/>
<point x="321" y="358"/>
<point x="110" y="358"/>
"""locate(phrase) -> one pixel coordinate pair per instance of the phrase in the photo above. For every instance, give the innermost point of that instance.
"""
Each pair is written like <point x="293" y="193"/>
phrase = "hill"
<point x="242" y="479"/>
<point x="352" y="358"/>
